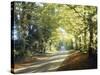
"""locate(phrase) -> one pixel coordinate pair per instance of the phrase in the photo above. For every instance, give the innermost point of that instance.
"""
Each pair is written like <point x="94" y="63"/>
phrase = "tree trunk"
<point x="85" y="40"/>
<point x="91" y="36"/>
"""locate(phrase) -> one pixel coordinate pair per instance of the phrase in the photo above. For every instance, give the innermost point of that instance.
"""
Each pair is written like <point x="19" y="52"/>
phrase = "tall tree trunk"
<point x="91" y="35"/>
<point x="85" y="40"/>
<point x="76" y="42"/>
<point x="79" y="43"/>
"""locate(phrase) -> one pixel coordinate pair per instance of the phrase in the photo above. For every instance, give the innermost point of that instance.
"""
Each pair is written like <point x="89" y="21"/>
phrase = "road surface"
<point x="47" y="65"/>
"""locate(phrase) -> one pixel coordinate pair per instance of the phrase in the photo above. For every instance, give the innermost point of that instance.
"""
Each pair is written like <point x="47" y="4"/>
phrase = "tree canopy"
<point x="42" y="27"/>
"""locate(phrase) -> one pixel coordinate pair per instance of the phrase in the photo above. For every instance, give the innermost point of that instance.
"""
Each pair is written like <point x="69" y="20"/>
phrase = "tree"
<point x="39" y="24"/>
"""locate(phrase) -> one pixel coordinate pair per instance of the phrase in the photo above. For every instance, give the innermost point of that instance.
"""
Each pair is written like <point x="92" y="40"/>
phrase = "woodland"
<point x="40" y="29"/>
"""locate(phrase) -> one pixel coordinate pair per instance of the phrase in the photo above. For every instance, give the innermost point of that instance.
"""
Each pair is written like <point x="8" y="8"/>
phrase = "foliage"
<point x="45" y="27"/>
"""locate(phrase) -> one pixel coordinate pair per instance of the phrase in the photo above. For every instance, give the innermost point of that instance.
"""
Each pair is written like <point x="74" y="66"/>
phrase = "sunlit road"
<point x="50" y="64"/>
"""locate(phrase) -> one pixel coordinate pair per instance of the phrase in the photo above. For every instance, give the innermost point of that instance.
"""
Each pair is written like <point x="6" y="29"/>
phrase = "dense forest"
<point x="40" y="28"/>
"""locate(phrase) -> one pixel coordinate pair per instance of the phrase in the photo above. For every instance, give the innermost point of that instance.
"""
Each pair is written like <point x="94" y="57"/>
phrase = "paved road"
<point x="50" y="64"/>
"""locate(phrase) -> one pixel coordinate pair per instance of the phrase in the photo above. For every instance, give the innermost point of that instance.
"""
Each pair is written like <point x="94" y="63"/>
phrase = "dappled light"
<point x="53" y="37"/>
